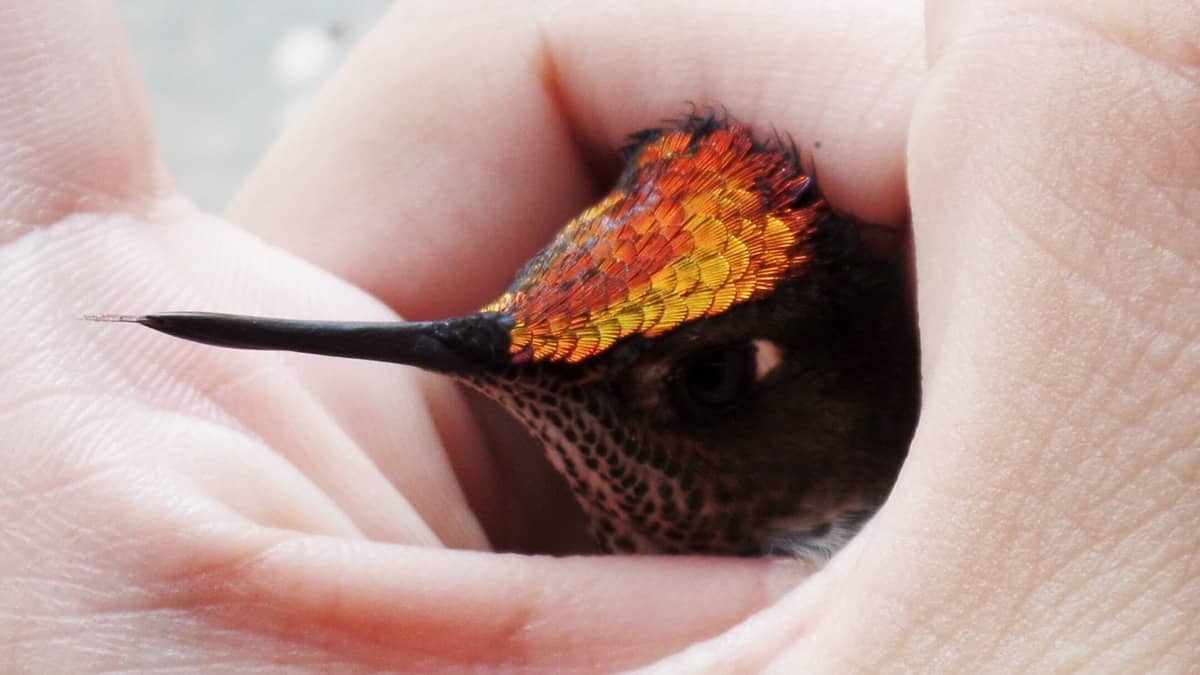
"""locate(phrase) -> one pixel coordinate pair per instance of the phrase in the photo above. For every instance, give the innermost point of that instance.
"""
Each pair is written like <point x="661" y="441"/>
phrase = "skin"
<point x="169" y="505"/>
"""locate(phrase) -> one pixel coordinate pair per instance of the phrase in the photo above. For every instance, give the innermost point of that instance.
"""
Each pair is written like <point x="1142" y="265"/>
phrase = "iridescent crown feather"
<point x="703" y="218"/>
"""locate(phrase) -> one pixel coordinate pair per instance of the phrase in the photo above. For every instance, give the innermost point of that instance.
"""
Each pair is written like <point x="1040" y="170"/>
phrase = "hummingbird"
<point x="715" y="359"/>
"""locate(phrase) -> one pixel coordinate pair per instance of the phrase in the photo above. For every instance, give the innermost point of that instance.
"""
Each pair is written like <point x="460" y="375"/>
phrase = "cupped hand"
<point x="173" y="505"/>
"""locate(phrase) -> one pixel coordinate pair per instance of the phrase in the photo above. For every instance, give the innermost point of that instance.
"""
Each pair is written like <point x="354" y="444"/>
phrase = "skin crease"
<point x="170" y="505"/>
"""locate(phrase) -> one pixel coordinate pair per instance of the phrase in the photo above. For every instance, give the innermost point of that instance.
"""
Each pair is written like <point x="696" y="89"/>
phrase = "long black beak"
<point x="471" y="343"/>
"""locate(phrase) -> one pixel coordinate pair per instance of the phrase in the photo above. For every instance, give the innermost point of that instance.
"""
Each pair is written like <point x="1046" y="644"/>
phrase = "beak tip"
<point x="113" y="318"/>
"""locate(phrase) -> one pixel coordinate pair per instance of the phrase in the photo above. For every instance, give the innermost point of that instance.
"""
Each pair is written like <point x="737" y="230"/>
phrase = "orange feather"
<point x="703" y="218"/>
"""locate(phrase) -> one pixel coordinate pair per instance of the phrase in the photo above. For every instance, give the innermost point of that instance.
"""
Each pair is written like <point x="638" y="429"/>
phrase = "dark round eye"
<point x="714" y="380"/>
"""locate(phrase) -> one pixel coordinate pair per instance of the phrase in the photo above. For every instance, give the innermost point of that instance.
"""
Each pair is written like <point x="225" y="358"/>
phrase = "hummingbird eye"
<point x="715" y="380"/>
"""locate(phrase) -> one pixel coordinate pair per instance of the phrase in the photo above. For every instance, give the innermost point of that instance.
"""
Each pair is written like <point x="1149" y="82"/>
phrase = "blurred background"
<point x="225" y="76"/>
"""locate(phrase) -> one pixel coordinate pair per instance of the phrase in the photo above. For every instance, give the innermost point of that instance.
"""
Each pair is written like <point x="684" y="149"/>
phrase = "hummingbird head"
<point x="709" y="355"/>
<point x="773" y="428"/>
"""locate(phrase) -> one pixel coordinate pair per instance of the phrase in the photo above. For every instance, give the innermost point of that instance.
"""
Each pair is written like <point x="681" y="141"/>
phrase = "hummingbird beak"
<point x="454" y="346"/>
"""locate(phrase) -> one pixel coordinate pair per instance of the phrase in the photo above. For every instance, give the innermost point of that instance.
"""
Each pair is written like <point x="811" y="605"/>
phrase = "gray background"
<point x="224" y="77"/>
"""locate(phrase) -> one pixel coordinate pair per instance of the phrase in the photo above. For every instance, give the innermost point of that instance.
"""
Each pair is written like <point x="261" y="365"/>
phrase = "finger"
<point x="421" y="608"/>
<point x="74" y="130"/>
<point x="153" y="568"/>
<point x="1054" y="189"/>
<point x="457" y="139"/>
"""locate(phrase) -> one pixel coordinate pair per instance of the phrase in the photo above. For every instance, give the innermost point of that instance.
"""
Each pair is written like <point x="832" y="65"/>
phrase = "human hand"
<point x="169" y="504"/>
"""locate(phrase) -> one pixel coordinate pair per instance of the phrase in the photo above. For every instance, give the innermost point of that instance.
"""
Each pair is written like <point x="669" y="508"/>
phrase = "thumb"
<point x="1053" y="173"/>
